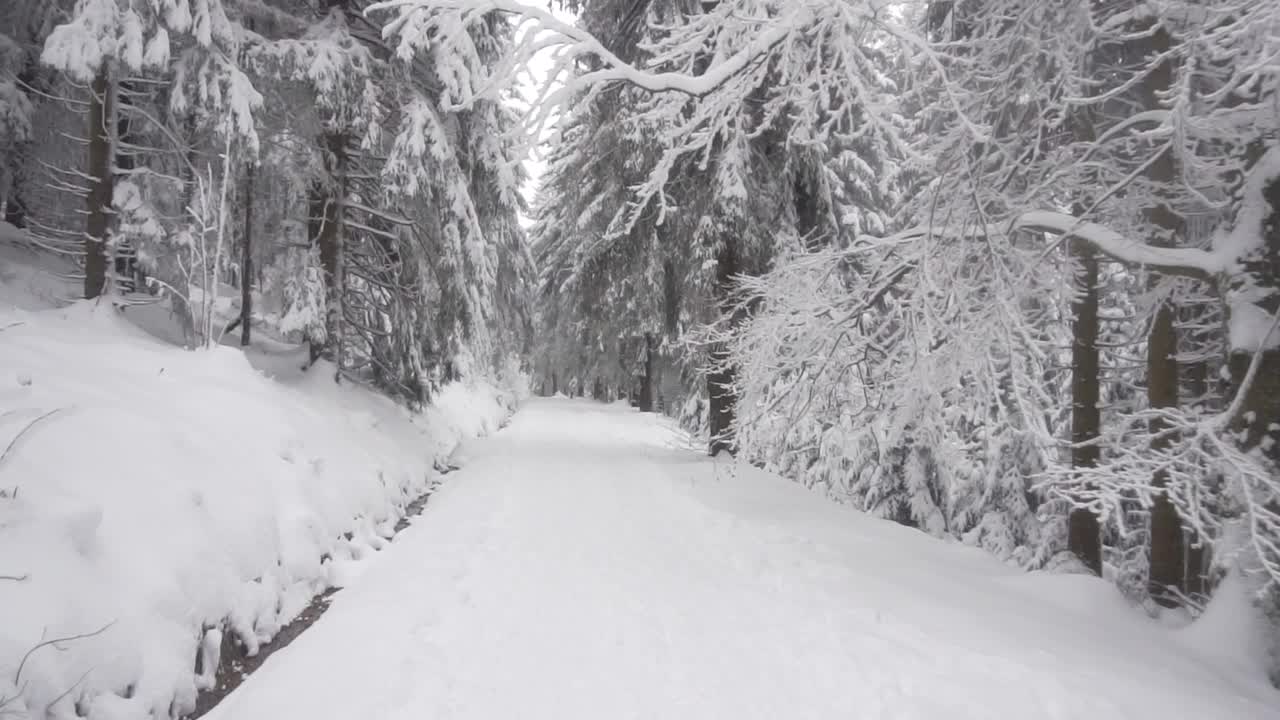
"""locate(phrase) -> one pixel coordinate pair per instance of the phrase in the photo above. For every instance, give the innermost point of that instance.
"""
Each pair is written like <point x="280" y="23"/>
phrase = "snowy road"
<point x="583" y="566"/>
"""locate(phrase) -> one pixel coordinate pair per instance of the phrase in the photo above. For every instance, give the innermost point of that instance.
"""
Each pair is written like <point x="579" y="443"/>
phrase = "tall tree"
<point x="1084" y="534"/>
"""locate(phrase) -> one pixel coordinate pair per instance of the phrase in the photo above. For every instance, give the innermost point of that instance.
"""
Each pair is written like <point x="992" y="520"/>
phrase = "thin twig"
<point x="69" y="690"/>
<point x="4" y="455"/>
<point x="17" y="676"/>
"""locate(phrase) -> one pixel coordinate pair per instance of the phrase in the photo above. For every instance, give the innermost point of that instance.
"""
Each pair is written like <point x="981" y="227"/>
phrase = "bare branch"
<point x="17" y="675"/>
<point x="13" y="443"/>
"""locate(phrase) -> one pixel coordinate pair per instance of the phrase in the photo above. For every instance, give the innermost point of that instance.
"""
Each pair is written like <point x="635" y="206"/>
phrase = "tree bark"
<point x="246" y="259"/>
<point x="1258" y="419"/>
<point x="15" y="205"/>
<point x="1166" y="571"/>
<point x="720" y="371"/>
<point x="720" y="414"/>
<point x="1195" y="374"/>
<point x="101" y="184"/>
<point x="317" y="205"/>
<point x="646" y="382"/>
<point x="330" y="240"/>
<point x="124" y="256"/>
<point x="670" y="299"/>
<point x="1167" y="559"/>
<point x="1084" y="536"/>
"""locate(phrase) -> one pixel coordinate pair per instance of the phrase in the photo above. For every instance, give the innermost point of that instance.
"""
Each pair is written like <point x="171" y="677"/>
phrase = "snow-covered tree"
<point x="191" y="46"/>
<point x="1034" y="128"/>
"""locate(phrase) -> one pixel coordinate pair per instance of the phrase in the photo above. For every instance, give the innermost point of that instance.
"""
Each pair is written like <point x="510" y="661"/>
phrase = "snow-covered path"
<point x="582" y="565"/>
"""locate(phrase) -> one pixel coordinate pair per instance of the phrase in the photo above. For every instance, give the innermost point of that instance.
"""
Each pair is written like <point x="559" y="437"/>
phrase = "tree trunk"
<point x="1258" y="419"/>
<point x="1166" y="570"/>
<point x="646" y="382"/>
<point x="720" y="414"/>
<point x="15" y="206"/>
<point x="1195" y="374"/>
<point x="720" y="371"/>
<point x="1167" y="559"/>
<point x="1259" y="416"/>
<point x="246" y="259"/>
<point x="330" y="241"/>
<point x="317" y="206"/>
<point x="124" y="260"/>
<point x="1084" y="536"/>
<point x="101" y="184"/>
<point x="670" y="299"/>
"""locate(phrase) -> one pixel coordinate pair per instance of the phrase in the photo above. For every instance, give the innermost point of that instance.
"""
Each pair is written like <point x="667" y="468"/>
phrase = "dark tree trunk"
<point x="1167" y="569"/>
<point x="246" y="259"/>
<point x="645" y="400"/>
<point x="720" y="413"/>
<point x="1167" y="561"/>
<point x="670" y="299"/>
<point x="101" y="185"/>
<point x="1084" y="536"/>
<point x="1196" y="374"/>
<point x="1259" y="415"/>
<point x="331" y="195"/>
<point x="317" y="206"/>
<point x="124" y="159"/>
<point x="15" y="209"/>
<point x="720" y="371"/>
<point x="1258" y="419"/>
<point x="808" y="212"/>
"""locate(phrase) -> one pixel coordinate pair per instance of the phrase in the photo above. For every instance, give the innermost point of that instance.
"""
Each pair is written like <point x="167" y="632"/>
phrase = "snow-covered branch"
<point x="1192" y="262"/>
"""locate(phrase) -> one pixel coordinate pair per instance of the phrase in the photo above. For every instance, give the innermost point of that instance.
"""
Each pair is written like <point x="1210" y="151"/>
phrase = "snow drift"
<point x="151" y="498"/>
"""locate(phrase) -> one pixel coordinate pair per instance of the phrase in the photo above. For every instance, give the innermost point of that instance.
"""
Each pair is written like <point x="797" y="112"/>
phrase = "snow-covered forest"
<point x="1006" y="272"/>
<point x="281" y="147"/>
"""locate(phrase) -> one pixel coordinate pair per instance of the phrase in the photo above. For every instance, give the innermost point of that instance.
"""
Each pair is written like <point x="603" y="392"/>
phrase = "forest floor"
<point x="587" y="563"/>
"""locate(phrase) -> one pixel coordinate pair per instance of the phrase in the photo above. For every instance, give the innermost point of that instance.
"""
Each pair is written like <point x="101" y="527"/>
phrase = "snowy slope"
<point x="147" y="492"/>
<point x="586" y="565"/>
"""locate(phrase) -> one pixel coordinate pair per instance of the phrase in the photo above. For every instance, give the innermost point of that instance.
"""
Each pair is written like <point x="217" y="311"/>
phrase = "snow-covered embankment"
<point x="153" y="498"/>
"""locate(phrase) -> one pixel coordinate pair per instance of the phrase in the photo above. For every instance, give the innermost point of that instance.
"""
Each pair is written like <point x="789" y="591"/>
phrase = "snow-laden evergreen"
<point x="930" y="236"/>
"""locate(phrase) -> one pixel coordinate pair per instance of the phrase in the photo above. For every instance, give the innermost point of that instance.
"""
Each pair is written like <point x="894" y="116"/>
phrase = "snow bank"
<point x="149" y="493"/>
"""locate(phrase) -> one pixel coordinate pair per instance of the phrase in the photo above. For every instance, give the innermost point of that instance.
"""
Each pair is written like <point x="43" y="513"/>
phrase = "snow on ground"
<point x="585" y="564"/>
<point x="147" y="492"/>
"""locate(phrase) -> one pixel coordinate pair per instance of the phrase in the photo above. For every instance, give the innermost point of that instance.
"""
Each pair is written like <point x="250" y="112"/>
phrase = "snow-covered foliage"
<point x="192" y="39"/>
<point x="271" y="141"/>
<point x="413" y="203"/>
<point x="915" y="195"/>
<point x="654" y="200"/>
